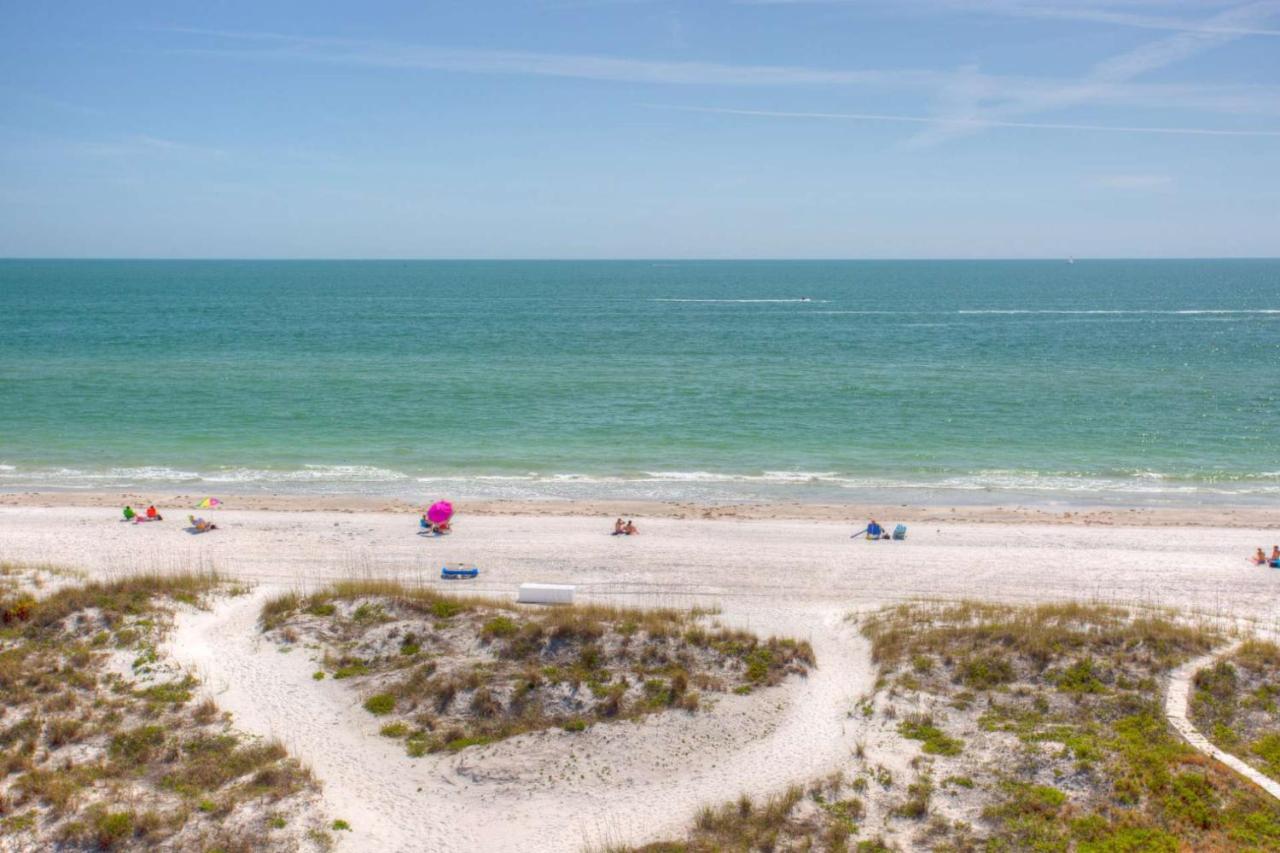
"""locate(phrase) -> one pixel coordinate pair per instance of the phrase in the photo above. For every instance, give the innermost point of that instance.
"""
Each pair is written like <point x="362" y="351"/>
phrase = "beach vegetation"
<point x="1066" y="746"/>
<point x="103" y="744"/>
<point x="465" y="671"/>
<point x="1235" y="702"/>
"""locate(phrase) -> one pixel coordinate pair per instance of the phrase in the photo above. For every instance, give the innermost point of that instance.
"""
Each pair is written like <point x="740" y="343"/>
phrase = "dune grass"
<point x="1236" y="704"/>
<point x="93" y="759"/>
<point x="1064" y="748"/>
<point x="453" y="672"/>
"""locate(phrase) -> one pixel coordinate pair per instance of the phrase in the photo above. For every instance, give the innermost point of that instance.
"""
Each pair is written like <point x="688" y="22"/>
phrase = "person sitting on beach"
<point x="129" y="514"/>
<point x="1275" y="555"/>
<point x="200" y="524"/>
<point x="630" y="528"/>
<point x="874" y="530"/>
<point x="1260" y="558"/>
<point x="619" y="528"/>
<point x="153" y="514"/>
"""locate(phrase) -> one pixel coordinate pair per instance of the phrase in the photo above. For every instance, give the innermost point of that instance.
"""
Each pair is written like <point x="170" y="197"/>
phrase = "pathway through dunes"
<point x="616" y="782"/>
<point x="544" y="791"/>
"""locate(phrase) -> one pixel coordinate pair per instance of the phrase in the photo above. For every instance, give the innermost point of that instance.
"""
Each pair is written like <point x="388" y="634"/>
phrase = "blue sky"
<point x="637" y="128"/>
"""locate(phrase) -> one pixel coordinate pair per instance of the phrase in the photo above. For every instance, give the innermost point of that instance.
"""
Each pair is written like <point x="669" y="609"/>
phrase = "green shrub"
<point x="380" y="703"/>
<point x="113" y="827"/>
<point x="935" y="741"/>
<point x="500" y="626"/>
<point x="986" y="672"/>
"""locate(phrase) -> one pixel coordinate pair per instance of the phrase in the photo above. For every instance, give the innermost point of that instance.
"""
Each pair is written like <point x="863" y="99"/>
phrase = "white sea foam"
<point x="743" y="301"/>
<point x="660" y="484"/>
<point x="1108" y="311"/>
<point x="307" y="474"/>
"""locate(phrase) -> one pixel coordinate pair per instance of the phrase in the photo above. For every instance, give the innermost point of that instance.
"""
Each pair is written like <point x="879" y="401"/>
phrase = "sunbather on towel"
<point x="200" y="524"/>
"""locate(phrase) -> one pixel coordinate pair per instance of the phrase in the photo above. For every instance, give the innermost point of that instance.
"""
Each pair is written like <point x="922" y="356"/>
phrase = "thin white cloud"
<point x="1135" y="183"/>
<point x="581" y="66"/>
<point x="974" y="122"/>
<point x="1104" y="76"/>
<point x="1116" y="14"/>
<point x="976" y="86"/>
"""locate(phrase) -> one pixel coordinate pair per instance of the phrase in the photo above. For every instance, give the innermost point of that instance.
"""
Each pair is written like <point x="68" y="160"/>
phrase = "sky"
<point x="640" y="129"/>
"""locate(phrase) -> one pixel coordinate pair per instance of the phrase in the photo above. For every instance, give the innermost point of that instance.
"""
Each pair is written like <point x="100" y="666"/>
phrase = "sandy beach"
<point x="783" y="575"/>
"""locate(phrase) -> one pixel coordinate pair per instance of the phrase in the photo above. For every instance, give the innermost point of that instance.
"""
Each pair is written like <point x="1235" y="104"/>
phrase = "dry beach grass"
<point x="655" y="777"/>
<point x="105" y="746"/>
<point x="1031" y="728"/>
<point x="448" y="672"/>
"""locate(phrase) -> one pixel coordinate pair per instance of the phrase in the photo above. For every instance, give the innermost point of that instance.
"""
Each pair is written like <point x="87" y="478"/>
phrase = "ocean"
<point x="1123" y="382"/>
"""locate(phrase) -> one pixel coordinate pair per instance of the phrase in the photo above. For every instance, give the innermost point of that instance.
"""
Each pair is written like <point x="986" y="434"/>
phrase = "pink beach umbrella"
<point x="440" y="512"/>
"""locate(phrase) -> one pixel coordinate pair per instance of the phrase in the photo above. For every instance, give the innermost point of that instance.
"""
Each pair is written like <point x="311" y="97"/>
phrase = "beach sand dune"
<point x="628" y="782"/>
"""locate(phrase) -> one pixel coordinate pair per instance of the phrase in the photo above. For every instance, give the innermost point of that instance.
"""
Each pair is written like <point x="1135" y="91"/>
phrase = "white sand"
<point x="622" y="782"/>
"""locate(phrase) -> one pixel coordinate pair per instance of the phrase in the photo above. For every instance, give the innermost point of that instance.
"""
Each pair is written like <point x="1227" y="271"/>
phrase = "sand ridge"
<point x="548" y="791"/>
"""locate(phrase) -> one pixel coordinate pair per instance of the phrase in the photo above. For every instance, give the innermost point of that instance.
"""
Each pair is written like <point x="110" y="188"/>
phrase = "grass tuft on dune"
<point x="452" y="672"/>
<point x="1029" y="728"/>
<point x="105" y="745"/>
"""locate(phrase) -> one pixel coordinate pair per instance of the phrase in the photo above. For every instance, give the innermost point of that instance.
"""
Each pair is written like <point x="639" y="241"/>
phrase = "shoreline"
<point x="1212" y="515"/>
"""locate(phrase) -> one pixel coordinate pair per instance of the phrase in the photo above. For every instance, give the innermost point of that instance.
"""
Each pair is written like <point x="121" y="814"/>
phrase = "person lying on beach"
<point x="200" y="525"/>
<point x="619" y="529"/>
<point x="630" y="528"/>
<point x="1260" y="558"/>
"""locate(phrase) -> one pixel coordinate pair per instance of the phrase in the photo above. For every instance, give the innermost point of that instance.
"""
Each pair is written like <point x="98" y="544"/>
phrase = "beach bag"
<point x="900" y="532"/>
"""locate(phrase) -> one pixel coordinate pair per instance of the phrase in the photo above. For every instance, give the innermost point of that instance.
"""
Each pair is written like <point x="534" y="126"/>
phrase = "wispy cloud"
<point x="1105" y="75"/>
<point x="139" y="145"/>
<point x="975" y="123"/>
<point x="1135" y="183"/>
<point x="968" y="100"/>
<point x="1149" y="15"/>
<point x="975" y="85"/>
<point x="581" y="66"/>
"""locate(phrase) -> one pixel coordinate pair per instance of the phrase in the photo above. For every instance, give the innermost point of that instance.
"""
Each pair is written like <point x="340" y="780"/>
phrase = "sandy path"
<point x="619" y="782"/>
<point x="1177" y="708"/>
<point x="549" y="791"/>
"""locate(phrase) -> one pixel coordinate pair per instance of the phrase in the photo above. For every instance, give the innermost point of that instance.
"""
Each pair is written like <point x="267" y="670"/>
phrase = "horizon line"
<point x="654" y="259"/>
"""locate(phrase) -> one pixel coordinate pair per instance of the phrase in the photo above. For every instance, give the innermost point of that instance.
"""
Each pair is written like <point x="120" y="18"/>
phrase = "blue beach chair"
<point x="449" y="574"/>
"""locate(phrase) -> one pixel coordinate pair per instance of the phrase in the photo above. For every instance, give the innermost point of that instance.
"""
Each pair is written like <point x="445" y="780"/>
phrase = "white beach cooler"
<point x="545" y="593"/>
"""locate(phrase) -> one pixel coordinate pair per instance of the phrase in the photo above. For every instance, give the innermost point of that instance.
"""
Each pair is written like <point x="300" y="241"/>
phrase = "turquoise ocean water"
<point x="1134" y="382"/>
